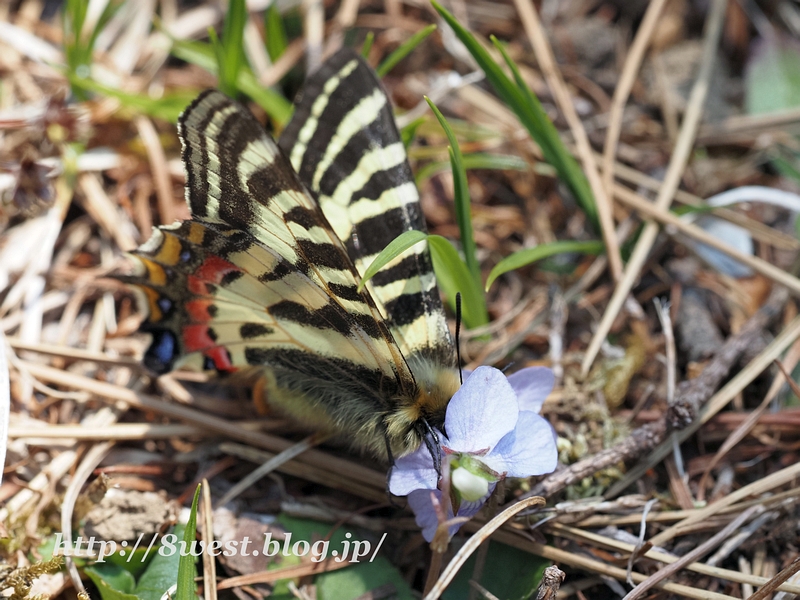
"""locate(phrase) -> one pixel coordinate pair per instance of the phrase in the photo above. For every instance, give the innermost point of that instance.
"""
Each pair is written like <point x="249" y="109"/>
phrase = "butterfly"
<point x="265" y="274"/>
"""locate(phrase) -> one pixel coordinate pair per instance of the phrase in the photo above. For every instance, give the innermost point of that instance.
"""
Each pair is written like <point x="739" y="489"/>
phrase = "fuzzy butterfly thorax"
<point x="265" y="275"/>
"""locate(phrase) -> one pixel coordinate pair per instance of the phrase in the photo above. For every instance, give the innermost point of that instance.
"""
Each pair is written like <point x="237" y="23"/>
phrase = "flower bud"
<point x="471" y="487"/>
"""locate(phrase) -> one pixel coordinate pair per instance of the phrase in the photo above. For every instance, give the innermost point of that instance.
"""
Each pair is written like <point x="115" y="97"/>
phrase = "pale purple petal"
<point x="413" y="471"/>
<point x="424" y="512"/>
<point x="532" y="386"/>
<point x="481" y="412"/>
<point x="528" y="450"/>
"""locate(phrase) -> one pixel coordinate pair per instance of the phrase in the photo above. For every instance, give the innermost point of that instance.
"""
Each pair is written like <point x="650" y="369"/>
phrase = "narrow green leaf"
<point x="535" y="121"/>
<point x="453" y="276"/>
<point x="275" y="105"/>
<point x="395" y="248"/>
<point x="187" y="590"/>
<point x="168" y="107"/>
<point x="276" y="32"/>
<point x="202" y="55"/>
<point x="531" y="255"/>
<point x="476" y="160"/>
<point x="232" y="47"/>
<point x="367" y="45"/>
<point x="568" y="168"/>
<point x="404" y="50"/>
<point x="461" y="197"/>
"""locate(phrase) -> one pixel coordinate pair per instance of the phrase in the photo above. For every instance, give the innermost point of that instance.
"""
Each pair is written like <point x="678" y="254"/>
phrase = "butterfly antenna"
<point x="458" y="332"/>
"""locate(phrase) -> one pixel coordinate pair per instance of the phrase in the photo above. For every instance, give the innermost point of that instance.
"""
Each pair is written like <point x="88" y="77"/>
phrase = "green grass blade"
<point x="404" y="50"/>
<point x="168" y="107"/>
<point x="531" y="255"/>
<point x="395" y="248"/>
<point x="535" y="121"/>
<point x="187" y="590"/>
<point x="277" y="41"/>
<point x="453" y="276"/>
<point x="476" y="160"/>
<point x="461" y="197"/>
<point x="568" y="168"/>
<point x="232" y="47"/>
<point x="275" y="105"/>
<point x="202" y="55"/>
<point x="367" y="45"/>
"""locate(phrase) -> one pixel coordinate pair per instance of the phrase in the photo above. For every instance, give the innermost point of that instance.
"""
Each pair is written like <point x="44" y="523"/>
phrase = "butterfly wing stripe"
<point x="335" y="74"/>
<point x="345" y="146"/>
<point x="367" y="110"/>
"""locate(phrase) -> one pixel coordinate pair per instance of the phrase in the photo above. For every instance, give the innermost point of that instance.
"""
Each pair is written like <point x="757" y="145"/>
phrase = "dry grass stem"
<point x="544" y="55"/>
<point x="677" y="164"/>
<point x="695" y="554"/>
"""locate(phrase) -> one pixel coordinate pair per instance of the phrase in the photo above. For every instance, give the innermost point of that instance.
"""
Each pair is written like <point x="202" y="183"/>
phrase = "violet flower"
<point x="493" y="431"/>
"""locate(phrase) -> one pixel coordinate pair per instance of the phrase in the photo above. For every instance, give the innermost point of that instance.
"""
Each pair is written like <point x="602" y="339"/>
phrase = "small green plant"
<point x="229" y="51"/>
<point x="454" y="274"/>
<point x="79" y="44"/>
<point x="187" y="590"/>
<point x="519" y="97"/>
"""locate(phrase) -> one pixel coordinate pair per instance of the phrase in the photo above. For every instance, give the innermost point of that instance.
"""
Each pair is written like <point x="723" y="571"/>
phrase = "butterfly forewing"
<point x="344" y="144"/>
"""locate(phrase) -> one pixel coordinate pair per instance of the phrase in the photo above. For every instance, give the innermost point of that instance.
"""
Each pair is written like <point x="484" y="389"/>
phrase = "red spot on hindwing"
<point x="212" y="270"/>
<point x="198" y="310"/>
<point x="196" y="338"/>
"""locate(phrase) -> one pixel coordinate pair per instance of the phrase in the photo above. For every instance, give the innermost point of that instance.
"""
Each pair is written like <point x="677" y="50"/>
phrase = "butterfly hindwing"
<point x="257" y="278"/>
<point x="344" y="144"/>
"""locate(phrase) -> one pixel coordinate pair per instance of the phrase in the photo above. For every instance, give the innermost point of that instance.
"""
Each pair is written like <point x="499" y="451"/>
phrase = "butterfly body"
<point x="264" y="277"/>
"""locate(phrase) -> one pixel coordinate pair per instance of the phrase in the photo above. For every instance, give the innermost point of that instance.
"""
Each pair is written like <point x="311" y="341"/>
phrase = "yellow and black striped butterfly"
<point x="265" y="274"/>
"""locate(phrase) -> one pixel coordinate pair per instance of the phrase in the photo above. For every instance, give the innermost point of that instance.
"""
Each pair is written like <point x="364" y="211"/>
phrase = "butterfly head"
<point x="410" y="424"/>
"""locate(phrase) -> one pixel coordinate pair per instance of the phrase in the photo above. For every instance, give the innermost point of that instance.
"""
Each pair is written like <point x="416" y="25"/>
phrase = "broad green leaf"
<point x="531" y="255"/>
<point x="404" y="50"/>
<point x="353" y="581"/>
<point x="112" y="581"/>
<point x="395" y="248"/>
<point x="358" y="580"/>
<point x="508" y="574"/>
<point x="454" y="277"/>
<point x="187" y="590"/>
<point x="461" y="197"/>
<point x="476" y="160"/>
<point x="162" y="568"/>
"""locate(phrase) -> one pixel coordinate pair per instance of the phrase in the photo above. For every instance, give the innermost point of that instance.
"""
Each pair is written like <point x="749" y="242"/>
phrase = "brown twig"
<point x="689" y="394"/>
<point x="766" y="591"/>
